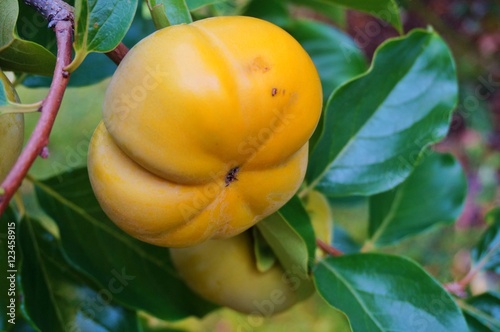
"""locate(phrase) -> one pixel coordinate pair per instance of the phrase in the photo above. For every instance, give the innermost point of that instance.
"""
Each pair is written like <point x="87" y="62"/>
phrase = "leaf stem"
<point x="62" y="23"/>
<point x="328" y="248"/>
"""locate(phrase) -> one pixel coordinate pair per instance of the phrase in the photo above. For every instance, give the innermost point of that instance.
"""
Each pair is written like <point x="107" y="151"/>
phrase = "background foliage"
<point x="410" y="214"/>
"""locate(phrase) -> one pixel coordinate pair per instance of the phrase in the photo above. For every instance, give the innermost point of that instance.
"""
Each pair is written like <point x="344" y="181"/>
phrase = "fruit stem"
<point x="328" y="248"/>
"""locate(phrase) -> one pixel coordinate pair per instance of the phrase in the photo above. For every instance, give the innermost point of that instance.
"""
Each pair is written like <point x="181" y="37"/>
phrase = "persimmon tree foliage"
<point x="74" y="270"/>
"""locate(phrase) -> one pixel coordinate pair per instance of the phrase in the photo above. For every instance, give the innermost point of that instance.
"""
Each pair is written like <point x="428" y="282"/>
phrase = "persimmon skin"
<point x="205" y="130"/>
<point x="224" y="272"/>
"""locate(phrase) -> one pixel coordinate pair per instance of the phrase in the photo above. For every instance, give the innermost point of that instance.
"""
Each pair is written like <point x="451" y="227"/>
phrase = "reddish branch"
<point x="328" y="249"/>
<point x="60" y="16"/>
<point x="40" y="137"/>
<point x="118" y="53"/>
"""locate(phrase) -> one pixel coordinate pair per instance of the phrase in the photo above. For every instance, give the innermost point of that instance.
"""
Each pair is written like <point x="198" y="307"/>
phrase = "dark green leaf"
<point x="387" y="293"/>
<point x="344" y="242"/>
<point x="377" y="125"/>
<point x="177" y="11"/>
<point x="482" y="312"/>
<point x="387" y="10"/>
<point x="103" y="251"/>
<point x="486" y="253"/>
<point x="96" y="66"/>
<point x="434" y="193"/>
<point x="17" y="54"/>
<point x="274" y="11"/>
<point x="197" y="4"/>
<point x="327" y="8"/>
<point x="33" y="26"/>
<point x="100" y="26"/>
<point x="290" y="234"/>
<point x="56" y="297"/>
<point x="297" y="217"/>
<point x="335" y="55"/>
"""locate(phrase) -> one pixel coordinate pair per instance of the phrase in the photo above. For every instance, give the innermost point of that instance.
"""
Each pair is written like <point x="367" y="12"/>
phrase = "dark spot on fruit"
<point x="274" y="91"/>
<point x="231" y="175"/>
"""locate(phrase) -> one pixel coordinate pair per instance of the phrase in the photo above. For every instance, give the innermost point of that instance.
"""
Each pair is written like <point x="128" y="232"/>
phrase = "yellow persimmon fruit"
<point x="205" y="130"/>
<point x="11" y="130"/>
<point x="225" y="272"/>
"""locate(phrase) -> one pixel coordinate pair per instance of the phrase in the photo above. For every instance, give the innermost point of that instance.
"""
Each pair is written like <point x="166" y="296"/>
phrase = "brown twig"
<point x="118" y="53"/>
<point x="328" y="248"/>
<point x="61" y="20"/>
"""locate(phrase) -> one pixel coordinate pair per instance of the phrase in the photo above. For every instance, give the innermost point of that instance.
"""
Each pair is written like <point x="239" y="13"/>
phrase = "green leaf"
<point x="264" y="255"/>
<point x="68" y="144"/>
<point x="295" y="215"/>
<point x="482" y="312"/>
<point x="32" y="26"/>
<point x="290" y="234"/>
<point x="344" y="242"/>
<point x="17" y="54"/>
<point x="377" y="125"/>
<point x="411" y="207"/>
<point x="335" y="54"/>
<point x="327" y="8"/>
<point x="387" y="10"/>
<point x="177" y="11"/>
<point x="387" y="293"/>
<point x="56" y="297"/>
<point x="486" y="253"/>
<point x="197" y="4"/>
<point x="274" y="11"/>
<point x="100" y="26"/>
<point x="97" y="66"/>
<point x="97" y="247"/>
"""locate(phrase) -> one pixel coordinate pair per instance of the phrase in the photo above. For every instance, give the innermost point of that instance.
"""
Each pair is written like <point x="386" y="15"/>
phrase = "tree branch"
<point x="60" y="17"/>
<point x="328" y="249"/>
<point x="118" y="53"/>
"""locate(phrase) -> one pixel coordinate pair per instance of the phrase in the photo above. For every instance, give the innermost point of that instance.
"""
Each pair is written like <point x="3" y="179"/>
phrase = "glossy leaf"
<point x="290" y="234"/>
<point x="482" y="312"/>
<point x="387" y="10"/>
<point x="433" y="194"/>
<point x="377" y="125"/>
<point x="387" y="293"/>
<point x="17" y="54"/>
<point x="297" y="217"/>
<point x="97" y="247"/>
<point x="335" y="54"/>
<point x="67" y="299"/>
<point x="344" y="242"/>
<point x="177" y="11"/>
<point x="486" y="253"/>
<point x="87" y="73"/>
<point x="100" y="26"/>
